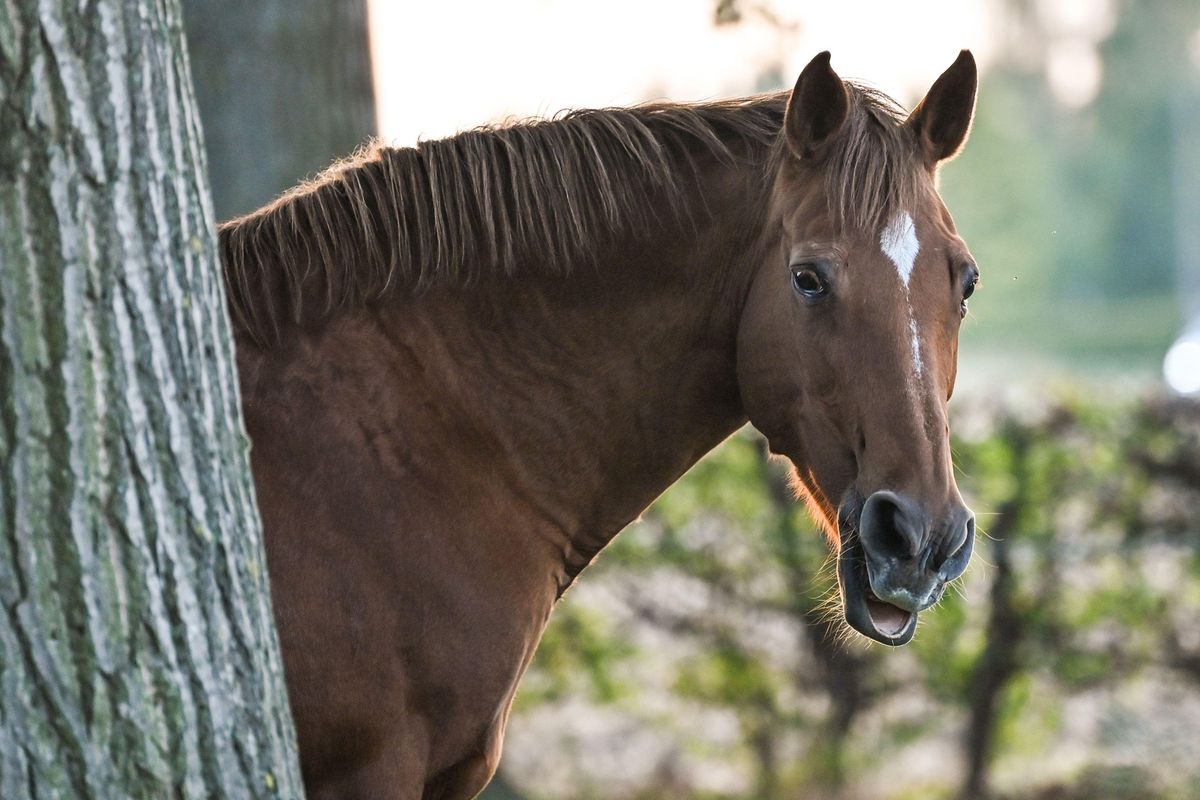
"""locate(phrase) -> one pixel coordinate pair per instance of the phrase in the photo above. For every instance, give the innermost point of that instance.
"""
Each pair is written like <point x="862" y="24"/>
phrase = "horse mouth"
<point x="865" y="612"/>
<point x="890" y="622"/>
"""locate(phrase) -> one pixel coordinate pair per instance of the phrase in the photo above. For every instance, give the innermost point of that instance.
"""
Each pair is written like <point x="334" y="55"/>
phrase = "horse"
<point x="466" y="366"/>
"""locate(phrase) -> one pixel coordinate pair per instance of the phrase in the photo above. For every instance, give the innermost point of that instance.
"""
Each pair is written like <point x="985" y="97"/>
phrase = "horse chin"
<point x="866" y="613"/>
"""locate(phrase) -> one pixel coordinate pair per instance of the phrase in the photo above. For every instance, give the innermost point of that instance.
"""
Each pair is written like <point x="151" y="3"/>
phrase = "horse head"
<point x="847" y="344"/>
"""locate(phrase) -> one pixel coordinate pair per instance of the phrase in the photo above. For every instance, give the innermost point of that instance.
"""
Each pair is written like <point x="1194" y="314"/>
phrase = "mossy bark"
<point x="137" y="652"/>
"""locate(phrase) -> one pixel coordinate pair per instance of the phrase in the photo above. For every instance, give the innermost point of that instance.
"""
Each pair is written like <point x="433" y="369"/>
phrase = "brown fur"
<point x="466" y="366"/>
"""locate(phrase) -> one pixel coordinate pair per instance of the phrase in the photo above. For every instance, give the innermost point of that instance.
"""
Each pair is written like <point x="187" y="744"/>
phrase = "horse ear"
<point x="943" y="119"/>
<point x="816" y="110"/>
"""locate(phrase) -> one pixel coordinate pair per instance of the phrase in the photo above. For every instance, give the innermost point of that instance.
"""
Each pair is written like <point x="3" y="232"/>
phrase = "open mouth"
<point x="866" y="613"/>
<point x="887" y="619"/>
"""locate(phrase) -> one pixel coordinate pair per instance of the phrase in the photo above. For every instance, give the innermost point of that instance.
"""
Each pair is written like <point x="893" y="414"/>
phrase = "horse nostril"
<point x="891" y="527"/>
<point x="958" y="550"/>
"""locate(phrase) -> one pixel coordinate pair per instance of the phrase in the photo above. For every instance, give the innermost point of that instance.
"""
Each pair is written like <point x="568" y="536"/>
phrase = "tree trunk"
<point x="284" y="88"/>
<point x="842" y="671"/>
<point x="1001" y="659"/>
<point x="993" y="671"/>
<point x="137" y="652"/>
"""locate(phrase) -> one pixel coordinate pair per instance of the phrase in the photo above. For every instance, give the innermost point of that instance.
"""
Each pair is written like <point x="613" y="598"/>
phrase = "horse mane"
<point x="543" y="194"/>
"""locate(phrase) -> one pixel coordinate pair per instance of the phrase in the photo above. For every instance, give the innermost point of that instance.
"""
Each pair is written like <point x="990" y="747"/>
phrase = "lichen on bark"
<point x="138" y="656"/>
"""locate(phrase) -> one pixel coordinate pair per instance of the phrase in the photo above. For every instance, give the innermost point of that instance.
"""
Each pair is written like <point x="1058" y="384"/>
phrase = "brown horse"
<point x="467" y="366"/>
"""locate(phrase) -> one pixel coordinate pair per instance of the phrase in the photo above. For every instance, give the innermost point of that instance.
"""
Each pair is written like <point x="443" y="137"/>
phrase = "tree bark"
<point x="137" y="652"/>
<point x="284" y="88"/>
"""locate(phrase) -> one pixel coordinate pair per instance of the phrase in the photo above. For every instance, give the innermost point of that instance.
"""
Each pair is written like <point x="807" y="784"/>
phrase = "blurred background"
<point x="697" y="658"/>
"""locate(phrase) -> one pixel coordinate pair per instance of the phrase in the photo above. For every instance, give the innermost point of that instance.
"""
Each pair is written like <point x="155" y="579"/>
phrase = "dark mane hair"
<point x="453" y="210"/>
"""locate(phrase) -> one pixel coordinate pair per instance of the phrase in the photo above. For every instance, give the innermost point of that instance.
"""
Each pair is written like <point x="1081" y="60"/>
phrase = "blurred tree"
<point x="137" y="652"/>
<point x="1112" y="156"/>
<point x="1090" y="574"/>
<point x="1002" y="655"/>
<point x="1128" y="170"/>
<point x="1075" y="210"/>
<point x="844" y="675"/>
<point x="284" y="88"/>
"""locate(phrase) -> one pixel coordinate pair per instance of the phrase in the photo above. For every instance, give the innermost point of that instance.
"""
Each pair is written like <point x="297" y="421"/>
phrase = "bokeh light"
<point x="1181" y="367"/>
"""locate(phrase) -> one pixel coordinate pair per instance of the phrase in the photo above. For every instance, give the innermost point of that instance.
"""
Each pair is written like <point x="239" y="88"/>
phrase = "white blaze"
<point x="899" y="243"/>
<point x="918" y="364"/>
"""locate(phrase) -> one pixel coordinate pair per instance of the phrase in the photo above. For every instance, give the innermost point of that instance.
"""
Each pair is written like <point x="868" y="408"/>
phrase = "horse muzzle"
<point x="895" y="561"/>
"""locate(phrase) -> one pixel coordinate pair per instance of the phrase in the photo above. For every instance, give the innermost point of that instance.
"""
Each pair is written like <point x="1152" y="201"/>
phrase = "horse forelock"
<point x="872" y="171"/>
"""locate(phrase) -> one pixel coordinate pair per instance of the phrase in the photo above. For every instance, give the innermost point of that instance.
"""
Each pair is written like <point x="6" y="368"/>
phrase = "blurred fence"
<point x="699" y="658"/>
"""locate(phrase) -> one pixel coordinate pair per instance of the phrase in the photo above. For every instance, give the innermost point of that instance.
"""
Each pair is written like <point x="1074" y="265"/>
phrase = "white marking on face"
<point x="915" y="338"/>
<point x="899" y="243"/>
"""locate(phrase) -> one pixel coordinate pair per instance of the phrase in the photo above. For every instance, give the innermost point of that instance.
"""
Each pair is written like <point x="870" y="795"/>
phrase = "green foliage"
<point x="727" y="675"/>
<point x="730" y="483"/>
<point x="1074" y="214"/>
<point x="579" y="655"/>
<point x="703" y="624"/>
<point x="948" y="646"/>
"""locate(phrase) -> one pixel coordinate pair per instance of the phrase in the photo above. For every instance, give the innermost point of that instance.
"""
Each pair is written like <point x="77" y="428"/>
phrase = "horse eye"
<point x="968" y="290"/>
<point x="808" y="283"/>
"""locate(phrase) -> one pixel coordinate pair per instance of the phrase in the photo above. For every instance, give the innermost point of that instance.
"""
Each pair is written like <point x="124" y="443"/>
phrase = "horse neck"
<point x="595" y="391"/>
